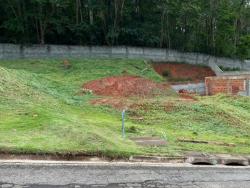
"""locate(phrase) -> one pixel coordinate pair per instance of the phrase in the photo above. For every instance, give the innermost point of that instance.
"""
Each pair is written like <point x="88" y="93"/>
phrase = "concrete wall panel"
<point x="11" y="51"/>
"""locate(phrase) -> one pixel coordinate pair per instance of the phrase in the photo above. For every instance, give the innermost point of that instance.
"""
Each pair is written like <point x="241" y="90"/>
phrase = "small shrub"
<point x="132" y="129"/>
<point x="66" y="64"/>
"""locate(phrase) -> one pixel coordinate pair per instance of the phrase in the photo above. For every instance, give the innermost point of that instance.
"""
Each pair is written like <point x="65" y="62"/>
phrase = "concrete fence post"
<point x="1" y="51"/>
<point x="123" y="124"/>
<point x="248" y="87"/>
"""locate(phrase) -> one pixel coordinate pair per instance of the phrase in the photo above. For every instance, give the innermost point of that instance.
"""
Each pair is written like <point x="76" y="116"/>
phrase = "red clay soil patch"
<point x="187" y="95"/>
<point x="125" y="86"/>
<point x="182" y="71"/>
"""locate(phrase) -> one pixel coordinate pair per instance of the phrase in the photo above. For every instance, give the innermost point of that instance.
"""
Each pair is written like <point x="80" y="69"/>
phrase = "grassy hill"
<point x="42" y="110"/>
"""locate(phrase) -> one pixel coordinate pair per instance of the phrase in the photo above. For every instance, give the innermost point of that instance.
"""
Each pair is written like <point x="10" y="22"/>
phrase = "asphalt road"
<point x="113" y="175"/>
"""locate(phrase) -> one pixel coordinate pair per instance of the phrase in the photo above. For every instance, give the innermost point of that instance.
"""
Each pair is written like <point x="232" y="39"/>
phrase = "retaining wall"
<point x="12" y="51"/>
<point x="198" y="88"/>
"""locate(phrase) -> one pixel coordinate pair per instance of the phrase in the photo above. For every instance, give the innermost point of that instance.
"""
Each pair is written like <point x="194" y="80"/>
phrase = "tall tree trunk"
<point x="118" y="4"/>
<point x="162" y="38"/>
<point x="168" y="32"/>
<point x="77" y="11"/>
<point x="213" y="9"/>
<point x="37" y="30"/>
<point x="42" y="33"/>
<point x="80" y="10"/>
<point x="42" y="25"/>
<point x="91" y="15"/>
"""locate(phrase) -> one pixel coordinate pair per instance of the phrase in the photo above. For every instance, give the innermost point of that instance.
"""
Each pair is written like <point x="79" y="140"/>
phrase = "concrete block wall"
<point x="34" y="51"/>
<point x="79" y="51"/>
<point x="119" y="51"/>
<point x="58" y="51"/>
<point x="246" y="65"/>
<point x="12" y="51"/>
<point x="226" y="84"/>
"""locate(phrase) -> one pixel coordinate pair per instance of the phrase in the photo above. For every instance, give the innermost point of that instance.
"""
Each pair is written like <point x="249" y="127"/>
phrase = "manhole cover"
<point x="149" y="141"/>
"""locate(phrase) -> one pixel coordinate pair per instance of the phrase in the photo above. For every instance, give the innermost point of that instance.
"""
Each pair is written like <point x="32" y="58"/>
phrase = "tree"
<point x="218" y="27"/>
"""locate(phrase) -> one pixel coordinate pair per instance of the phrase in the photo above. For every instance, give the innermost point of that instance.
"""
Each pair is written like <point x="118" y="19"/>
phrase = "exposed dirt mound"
<point x="125" y="86"/>
<point x="177" y="72"/>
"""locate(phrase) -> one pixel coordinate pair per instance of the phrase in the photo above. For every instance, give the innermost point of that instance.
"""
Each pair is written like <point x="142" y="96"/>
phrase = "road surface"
<point x="77" y="175"/>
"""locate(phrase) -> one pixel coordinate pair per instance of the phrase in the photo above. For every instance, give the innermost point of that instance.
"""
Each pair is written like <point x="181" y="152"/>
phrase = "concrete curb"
<point x="112" y="164"/>
<point x="197" y="159"/>
<point x="248" y="157"/>
<point x="202" y="160"/>
<point x="192" y="159"/>
<point x="232" y="160"/>
<point x="220" y="159"/>
<point x="157" y="159"/>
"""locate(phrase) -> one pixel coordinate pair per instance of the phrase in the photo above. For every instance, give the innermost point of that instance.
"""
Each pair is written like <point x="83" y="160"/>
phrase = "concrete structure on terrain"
<point x="235" y="85"/>
<point x="198" y="88"/>
<point x="12" y="51"/>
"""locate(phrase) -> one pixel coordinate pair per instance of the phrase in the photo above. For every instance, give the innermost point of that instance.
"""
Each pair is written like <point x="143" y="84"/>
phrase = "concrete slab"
<point x="248" y="157"/>
<point x="202" y="160"/>
<point x="35" y="50"/>
<point x="100" y="51"/>
<point x="149" y="141"/>
<point x="157" y="159"/>
<point x="231" y="160"/>
<point x="80" y="51"/>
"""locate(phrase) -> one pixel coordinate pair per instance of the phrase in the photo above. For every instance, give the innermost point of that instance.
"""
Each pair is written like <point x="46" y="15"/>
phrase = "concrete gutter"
<point x="103" y="163"/>
<point x="187" y="160"/>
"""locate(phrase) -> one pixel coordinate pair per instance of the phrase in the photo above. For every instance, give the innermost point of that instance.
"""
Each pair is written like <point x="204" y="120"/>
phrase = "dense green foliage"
<point x="42" y="110"/>
<point x="219" y="27"/>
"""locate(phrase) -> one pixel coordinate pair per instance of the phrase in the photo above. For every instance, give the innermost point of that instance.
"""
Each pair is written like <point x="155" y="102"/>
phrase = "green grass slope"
<point x="41" y="111"/>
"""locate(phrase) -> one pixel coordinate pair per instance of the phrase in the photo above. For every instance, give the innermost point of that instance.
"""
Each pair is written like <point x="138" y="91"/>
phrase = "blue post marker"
<point x="123" y="125"/>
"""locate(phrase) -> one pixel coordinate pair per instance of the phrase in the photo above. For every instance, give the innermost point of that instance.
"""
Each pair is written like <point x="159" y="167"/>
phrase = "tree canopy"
<point x="218" y="27"/>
